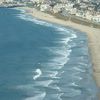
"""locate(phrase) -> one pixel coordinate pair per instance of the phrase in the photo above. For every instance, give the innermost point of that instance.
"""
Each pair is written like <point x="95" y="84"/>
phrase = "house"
<point x="57" y="8"/>
<point x="96" y="19"/>
<point x="88" y="15"/>
<point x="37" y="1"/>
<point x="65" y="12"/>
<point x="63" y="1"/>
<point x="45" y="7"/>
<point x="8" y="1"/>
<point x="1" y="1"/>
<point x="81" y="14"/>
<point x="73" y="11"/>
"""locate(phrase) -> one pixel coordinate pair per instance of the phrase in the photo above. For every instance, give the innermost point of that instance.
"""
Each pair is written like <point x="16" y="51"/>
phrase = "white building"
<point x="37" y="1"/>
<point x="1" y="1"/>
<point x="96" y="19"/>
<point x="81" y="14"/>
<point x="88" y="15"/>
<point x="63" y="1"/>
<point x="73" y="11"/>
<point x="86" y="0"/>
<point x="45" y="7"/>
<point x="9" y="0"/>
<point x="57" y="8"/>
<point x="78" y="1"/>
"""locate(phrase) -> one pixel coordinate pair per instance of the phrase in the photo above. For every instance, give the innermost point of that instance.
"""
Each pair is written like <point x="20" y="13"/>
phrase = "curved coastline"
<point x="92" y="33"/>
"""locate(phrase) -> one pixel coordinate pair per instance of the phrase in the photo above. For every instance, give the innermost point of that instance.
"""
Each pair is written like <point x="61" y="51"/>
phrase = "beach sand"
<point x="92" y="33"/>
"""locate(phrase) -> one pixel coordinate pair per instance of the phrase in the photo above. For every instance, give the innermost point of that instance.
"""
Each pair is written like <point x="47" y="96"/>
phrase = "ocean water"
<point x="43" y="61"/>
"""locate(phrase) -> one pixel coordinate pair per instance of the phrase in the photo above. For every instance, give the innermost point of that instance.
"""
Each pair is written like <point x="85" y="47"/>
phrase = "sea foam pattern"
<point x="62" y="76"/>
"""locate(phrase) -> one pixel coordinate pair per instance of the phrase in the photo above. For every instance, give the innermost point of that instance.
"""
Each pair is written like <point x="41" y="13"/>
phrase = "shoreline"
<point x="93" y="35"/>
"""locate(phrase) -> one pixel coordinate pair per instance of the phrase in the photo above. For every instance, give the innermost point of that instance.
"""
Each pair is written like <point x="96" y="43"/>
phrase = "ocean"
<point x="43" y="61"/>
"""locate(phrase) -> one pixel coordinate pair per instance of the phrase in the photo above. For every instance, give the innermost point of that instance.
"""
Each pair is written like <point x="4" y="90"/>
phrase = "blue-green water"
<point x="42" y="61"/>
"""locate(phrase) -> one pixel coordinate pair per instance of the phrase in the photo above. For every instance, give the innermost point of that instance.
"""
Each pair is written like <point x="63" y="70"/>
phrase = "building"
<point x="9" y="0"/>
<point x="1" y="1"/>
<point x="63" y="1"/>
<point x="57" y="8"/>
<point x="96" y="19"/>
<point x="45" y="7"/>
<point x="37" y="1"/>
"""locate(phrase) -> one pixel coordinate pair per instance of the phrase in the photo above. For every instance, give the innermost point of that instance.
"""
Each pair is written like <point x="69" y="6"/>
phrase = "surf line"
<point x="38" y="74"/>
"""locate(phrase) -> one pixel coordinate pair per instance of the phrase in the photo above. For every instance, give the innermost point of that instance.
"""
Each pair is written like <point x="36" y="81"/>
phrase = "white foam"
<point x="59" y="61"/>
<point x="49" y="74"/>
<point x="53" y="75"/>
<point x="25" y="17"/>
<point x="74" y="36"/>
<point x="62" y="56"/>
<point x="21" y="10"/>
<point x="37" y="97"/>
<point x="83" y="64"/>
<point x="79" y="69"/>
<point x="60" y="29"/>
<point x="73" y="84"/>
<point x="38" y="74"/>
<point x="65" y="40"/>
<point x="52" y="65"/>
<point x="36" y="21"/>
<point x="59" y="96"/>
<point x="55" y="87"/>
<point x="61" y="53"/>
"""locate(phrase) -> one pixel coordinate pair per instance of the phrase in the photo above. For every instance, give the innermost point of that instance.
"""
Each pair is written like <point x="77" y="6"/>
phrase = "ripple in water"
<point x="62" y="76"/>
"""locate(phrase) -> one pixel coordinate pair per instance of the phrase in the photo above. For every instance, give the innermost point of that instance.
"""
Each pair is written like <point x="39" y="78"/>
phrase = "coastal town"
<point x="64" y="32"/>
<point x="83" y="9"/>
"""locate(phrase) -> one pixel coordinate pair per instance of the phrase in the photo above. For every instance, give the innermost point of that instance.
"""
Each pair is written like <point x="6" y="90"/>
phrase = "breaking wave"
<point x="50" y="80"/>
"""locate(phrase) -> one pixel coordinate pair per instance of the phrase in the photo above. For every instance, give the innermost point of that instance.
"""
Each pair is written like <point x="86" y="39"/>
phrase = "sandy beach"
<point x="92" y="33"/>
